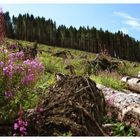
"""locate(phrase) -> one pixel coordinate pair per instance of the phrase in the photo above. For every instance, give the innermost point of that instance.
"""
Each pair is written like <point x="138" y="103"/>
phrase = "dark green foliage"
<point x="30" y="28"/>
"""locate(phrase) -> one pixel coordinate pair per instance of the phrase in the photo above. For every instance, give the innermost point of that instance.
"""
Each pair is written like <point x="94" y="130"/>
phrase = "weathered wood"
<point x="125" y="107"/>
<point x="132" y="82"/>
<point x="139" y="74"/>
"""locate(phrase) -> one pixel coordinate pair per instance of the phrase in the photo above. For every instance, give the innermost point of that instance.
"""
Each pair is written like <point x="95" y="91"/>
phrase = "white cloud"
<point x="125" y="15"/>
<point x="132" y="22"/>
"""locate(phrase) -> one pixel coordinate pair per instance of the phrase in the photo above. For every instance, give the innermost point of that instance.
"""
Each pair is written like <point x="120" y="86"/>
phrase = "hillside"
<point x="107" y="71"/>
<point x="81" y="66"/>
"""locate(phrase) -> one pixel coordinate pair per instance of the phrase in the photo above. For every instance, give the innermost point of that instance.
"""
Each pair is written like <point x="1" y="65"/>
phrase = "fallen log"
<point x="139" y="74"/>
<point x="132" y="83"/>
<point x="125" y="107"/>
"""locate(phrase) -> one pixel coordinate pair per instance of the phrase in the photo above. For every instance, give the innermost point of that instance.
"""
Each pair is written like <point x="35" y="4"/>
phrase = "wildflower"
<point x="11" y="55"/>
<point x="1" y="63"/>
<point x="16" y="126"/>
<point x="5" y="70"/>
<point x="20" y="126"/>
<point x="8" y="94"/>
<point x="20" y="55"/>
<point x="22" y="129"/>
<point x="28" y="79"/>
<point x="8" y="70"/>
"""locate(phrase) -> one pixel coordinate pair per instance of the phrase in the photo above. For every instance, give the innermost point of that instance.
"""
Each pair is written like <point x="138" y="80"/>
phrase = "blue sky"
<point x="112" y="17"/>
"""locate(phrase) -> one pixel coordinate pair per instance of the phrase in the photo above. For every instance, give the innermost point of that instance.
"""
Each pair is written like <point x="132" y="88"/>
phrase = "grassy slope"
<point x="56" y="64"/>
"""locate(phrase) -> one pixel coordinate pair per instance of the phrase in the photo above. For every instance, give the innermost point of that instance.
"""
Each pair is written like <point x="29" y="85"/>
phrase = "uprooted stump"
<point x="73" y="105"/>
<point x="103" y="63"/>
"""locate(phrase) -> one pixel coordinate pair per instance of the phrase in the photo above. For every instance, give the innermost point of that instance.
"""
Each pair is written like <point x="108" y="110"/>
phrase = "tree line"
<point x="30" y="28"/>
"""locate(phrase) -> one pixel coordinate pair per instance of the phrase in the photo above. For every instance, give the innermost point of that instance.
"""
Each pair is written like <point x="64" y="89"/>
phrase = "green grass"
<point x="119" y="129"/>
<point x="56" y="64"/>
<point x="109" y="80"/>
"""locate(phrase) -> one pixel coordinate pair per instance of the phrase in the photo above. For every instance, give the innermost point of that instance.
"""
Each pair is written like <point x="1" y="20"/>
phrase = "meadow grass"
<point x="110" y="80"/>
<point x="56" y="64"/>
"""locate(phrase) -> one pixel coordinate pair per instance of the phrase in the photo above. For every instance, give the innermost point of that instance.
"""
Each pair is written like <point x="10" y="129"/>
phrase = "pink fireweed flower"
<point x="16" y="126"/>
<point x="8" y="70"/>
<point x="1" y="63"/>
<point x="8" y="94"/>
<point x="20" y="127"/>
<point x="28" y="79"/>
<point x="20" y="55"/>
<point x="11" y="56"/>
<point x="5" y="70"/>
<point x="14" y="134"/>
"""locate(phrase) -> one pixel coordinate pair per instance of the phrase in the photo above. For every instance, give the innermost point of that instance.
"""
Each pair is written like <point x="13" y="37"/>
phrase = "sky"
<point x="112" y="17"/>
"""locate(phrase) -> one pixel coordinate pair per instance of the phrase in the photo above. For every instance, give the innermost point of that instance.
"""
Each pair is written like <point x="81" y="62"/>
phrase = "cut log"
<point x="132" y="83"/>
<point x="139" y="74"/>
<point x="125" y="107"/>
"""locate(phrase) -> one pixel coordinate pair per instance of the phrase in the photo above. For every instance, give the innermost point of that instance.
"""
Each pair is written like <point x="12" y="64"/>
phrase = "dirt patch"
<point x="73" y="105"/>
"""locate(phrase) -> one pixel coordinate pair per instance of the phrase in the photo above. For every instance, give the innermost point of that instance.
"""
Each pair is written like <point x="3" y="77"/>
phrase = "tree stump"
<point x="74" y="104"/>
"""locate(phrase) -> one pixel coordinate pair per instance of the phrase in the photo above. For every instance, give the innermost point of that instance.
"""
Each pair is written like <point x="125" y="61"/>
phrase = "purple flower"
<point x="22" y="129"/>
<point x="8" y="70"/>
<point x="5" y="70"/>
<point x="26" y="123"/>
<point x="28" y="79"/>
<point x="8" y="94"/>
<point x="16" y="126"/>
<point x="11" y="55"/>
<point x="20" y="55"/>
<point x="1" y="64"/>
